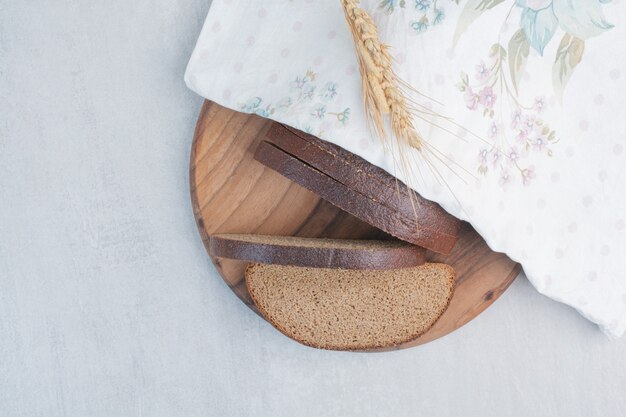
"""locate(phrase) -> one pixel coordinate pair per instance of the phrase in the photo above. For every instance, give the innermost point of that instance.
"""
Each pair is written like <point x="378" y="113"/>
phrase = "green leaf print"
<point x="518" y="55"/>
<point x="568" y="56"/>
<point x="472" y="11"/>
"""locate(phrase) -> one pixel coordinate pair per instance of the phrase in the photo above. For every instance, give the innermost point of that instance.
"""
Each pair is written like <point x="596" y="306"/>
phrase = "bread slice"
<point x="317" y="253"/>
<point x="419" y="231"/>
<point x="351" y="309"/>
<point x="362" y="176"/>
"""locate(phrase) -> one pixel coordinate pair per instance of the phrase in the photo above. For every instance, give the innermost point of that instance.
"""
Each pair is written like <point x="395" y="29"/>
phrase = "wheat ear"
<point x="382" y="91"/>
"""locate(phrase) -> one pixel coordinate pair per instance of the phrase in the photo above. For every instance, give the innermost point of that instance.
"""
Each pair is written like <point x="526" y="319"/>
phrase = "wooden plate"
<point x="232" y="193"/>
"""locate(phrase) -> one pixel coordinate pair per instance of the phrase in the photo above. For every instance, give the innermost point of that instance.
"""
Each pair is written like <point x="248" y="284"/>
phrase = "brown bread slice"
<point x="351" y="309"/>
<point x="362" y="176"/>
<point x="317" y="253"/>
<point x="419" y="232"/>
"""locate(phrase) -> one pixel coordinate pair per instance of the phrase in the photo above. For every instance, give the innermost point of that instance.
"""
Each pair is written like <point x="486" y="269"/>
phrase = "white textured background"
<point x="109" y="305"/>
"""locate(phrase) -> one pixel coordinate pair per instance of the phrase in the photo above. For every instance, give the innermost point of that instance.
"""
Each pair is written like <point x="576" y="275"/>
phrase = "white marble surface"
<point x="109" y="305"/>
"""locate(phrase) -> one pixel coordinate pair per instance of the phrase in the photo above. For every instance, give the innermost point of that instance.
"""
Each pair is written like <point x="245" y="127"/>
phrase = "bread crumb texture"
<point x="351" y="309"/>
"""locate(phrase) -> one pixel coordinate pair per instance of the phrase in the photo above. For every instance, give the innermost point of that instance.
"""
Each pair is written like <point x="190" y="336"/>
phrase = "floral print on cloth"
<point x="512" y="139"/>
<point x="532" y="98"/>
<point x="309" y="101"/>
<point x="427" y="12"/>
<point x="579" y="20"/>
<point x="513" y="142"/>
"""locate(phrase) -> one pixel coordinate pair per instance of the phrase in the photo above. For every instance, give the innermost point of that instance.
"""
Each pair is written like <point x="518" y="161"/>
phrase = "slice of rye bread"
<point x="362" y="176"/>
<point x="416" y="231"/>
<point x="317" y="253"/>
<point x="351" y="309"/>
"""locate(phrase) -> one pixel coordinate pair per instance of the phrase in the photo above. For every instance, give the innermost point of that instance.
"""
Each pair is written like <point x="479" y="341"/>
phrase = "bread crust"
<point x="329" y="253"/>
<point x="362" y="176"/>
<point x="423" y="231"/>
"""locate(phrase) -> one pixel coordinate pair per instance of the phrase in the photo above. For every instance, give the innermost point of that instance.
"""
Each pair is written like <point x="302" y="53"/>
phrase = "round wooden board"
<point x="233" y="193"/>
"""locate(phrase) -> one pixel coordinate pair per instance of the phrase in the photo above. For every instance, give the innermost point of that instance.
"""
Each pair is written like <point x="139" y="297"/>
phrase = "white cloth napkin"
<point x="535" y="94"/>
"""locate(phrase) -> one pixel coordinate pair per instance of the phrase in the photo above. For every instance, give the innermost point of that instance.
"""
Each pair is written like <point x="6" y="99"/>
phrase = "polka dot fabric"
<point x="527" y="134"/>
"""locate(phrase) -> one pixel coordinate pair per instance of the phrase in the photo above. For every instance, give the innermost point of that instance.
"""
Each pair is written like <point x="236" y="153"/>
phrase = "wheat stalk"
<point x="386" y="99"/>
<point x="383" y="94"/>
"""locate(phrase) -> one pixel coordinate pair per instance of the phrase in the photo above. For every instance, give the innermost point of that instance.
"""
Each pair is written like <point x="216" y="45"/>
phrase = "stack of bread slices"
<point x="347" y="294"/>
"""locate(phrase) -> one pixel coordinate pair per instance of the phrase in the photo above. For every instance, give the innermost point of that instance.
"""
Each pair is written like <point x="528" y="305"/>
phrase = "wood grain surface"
<point x="233" y="193"/>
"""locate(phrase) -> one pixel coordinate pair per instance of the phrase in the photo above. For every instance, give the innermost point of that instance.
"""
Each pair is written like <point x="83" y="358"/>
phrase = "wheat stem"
<point x="382" y="90"/>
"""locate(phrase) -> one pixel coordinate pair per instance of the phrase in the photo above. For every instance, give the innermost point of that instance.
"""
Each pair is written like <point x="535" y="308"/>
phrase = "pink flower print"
<point x="482" y="72"/>
<point x="528" y="123"/>
<point x="471" y="99"/>
<point x="496" y="156"/>
<point x="482" y="156"/>
<point x="540" y="104"/>
<point x="505" y="178"/>
<point x="528" y="175"/>
<point x="522" y="136"/>
<point x="493" y="131"/>
<point x="487" y="97"/>
<point x="516" y="118"/>
<point x="513" y="155"/>
<point x="540" y="143"/>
